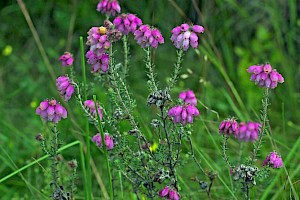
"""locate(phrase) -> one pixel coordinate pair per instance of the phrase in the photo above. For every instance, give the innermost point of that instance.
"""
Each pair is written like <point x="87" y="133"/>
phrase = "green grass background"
<point x="238" y="34"/>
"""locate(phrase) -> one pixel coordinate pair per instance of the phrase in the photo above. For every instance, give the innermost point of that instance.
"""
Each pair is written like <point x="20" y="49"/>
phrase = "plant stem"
<point x="126" y="54"/>
<point x="152" y="84"/>
<point x="177" y="68"/>
<point x="105" y="150"/>
<point x="53" y="157"/>
<point x="88" y="191"/>
<point x="224" y="148"/>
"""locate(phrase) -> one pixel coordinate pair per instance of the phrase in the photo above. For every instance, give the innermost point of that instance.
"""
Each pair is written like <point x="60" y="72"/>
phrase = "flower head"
<point x="148" y="37"/>
<point x="248" y="131"/>
<point x="169" y="193"/>
<point x="66" y="59"/>
<point x="184" y="36"/>
<point x="265" y="76"/>
<point x="183" y="114"/>
<point x="229" y="126"/>
<point x="107" y="139"/>
<point x="109" y="7"/>
<point x="99" y="63"/>
<point x="51" y="111"/>
<point x="127" y="23"/>
<point x="273" y="160"/>
<point x="188" y="97"/>
<point x="65" y="87"/>
<point x="98" y="40"/>
<point x="91" y="108"/>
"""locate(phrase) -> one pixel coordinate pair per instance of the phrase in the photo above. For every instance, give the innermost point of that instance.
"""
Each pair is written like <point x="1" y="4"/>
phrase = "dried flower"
<point x="158" y="98"/>
<point x="90" y="106"/>
<point x="188" y="97"/>
<point x="183" y="114"/>
<point x="50" y="110"/>
<point x="228" y="127"/>
<point x="109" y="7"/>
<point x="65" y="87"/>
<point x="107" y="139"/>
<point x="273" y="160"/>
<point x="265" y="76"/>
<point x="39" y="137"/>
<point x="73" y="164"/>
<point x="148" y="37"/>
<point x="99" y="63"/>
<point x="66" y="59"/>
<point x="127" y="23"/>
<point x="248" y="131"/>
<point x="183" y="36"/>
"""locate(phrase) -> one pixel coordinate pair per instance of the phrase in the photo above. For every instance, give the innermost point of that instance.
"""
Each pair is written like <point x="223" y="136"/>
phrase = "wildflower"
<point x="50" y="110"/>
<point x="173" y="195"/>
<point x="65" y="87"/>
<point x="169" y="193"/>
<point x="188" y="97"/>
<point x="109" y="7"/>
<point x="148" y="37"/>
<point x="183" y="36"/>
<point x="248" y="131"/>
<point x="228" y="127"/>
<point x="164" y="192"/>
<point x="90" y="106"/>
<point x="273" y="160"/>
<point x="66" y="59"/>
<point x="265" y="76"/>
<point x="183" y="114"/>
<point x="99" y="63"/>
<point x="98" y="40"/>
<point x="127" y="23"/>
<point x="107" y="139"/>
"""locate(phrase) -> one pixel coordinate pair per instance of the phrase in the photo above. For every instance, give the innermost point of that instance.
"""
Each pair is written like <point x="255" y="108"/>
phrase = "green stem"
<point x="105" y="150"/>
<point x="121" y="185"/>
<point x="126" y="53"/>
<point x="177" y="68"/>
<point x="88" y="191"/>
<point x="53" y="156"/>
<point x="152" y="84"/>
<point x="224" y="148"/>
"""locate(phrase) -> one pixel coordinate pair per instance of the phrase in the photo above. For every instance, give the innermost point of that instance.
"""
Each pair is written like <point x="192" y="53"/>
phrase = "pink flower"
<point x="184" y="36"/>
<point x="248" y="131"/>
<point x="50" y="110"/>
<point x="109" y="7"/>
<point x="148" y="37"/>
<point x="91" y="108"/>
<point x="228" y="127"/>
<point x="183" y="114"/>
<point x="99" y="63"/>
<point x="65" y="87"/>
<point x="173" y="195"/>
<point x="107" y="139"/>
<point x="265" y="76"/>
<point x="127" y="23"/>
<point x="273" y="160"/>
<point x="98" y="40"/>
<point x="188" y="97"/>
<point x="66" y="59"/>
<point x="164" y="192"/>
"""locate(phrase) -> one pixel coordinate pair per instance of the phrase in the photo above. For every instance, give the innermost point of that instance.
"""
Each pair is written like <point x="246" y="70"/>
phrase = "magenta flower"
<point x="91" y="108"/>
<point x="248" y="131"/>
<point x="127" y="23"/>
<point x="65" y="87"/>
<point x="228" y="127"/>
<point x="173" y="195"/>
<point x="185" y="36"/>
<point x="148" y="37"/>
<point x="98" y="40"/>
<point x="188" y="97"/>
<point x="109" y="7"/>
<point x="66" y="59"/>
<point x="265" y="76"/>
<point x="99" y="63"/>
<point x="107" y="139"/>
<point x="183" y="114"/>
<point x="169" y="193"/>
<point x="273" y="160"/>
<point x="164" y="192"/>
<point x="51" y="111"/>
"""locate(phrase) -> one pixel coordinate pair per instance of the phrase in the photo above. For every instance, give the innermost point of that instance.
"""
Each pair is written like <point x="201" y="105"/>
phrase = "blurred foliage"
<point x="243" y="32"/>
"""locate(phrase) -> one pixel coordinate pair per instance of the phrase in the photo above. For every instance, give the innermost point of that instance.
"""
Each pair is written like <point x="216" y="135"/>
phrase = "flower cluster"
<point x="273" y="160"/>
<point x="127" y="23"/>
<point x="51" y="111"/>
<point x="183" y="114"/>
<point x="109" y="7"/>
<point x="98" y="62"/>
<point x="65" y="87"/>
<point x="66" y="59"/>
<point x="90" y="106"/>
<point x="169" y="193"/>
<point x="188" y="97"/>
<point x="148" y="37"/>
<point x="228" y="127"/>
<point x="183" y="36"/>
<point x="107" y="139"/>
<point x="248" y="131"/>
<point x="265" y="76"/>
